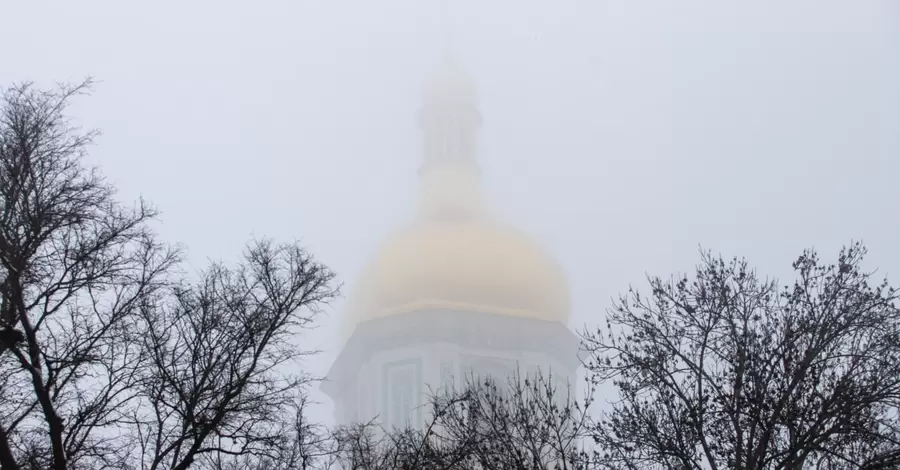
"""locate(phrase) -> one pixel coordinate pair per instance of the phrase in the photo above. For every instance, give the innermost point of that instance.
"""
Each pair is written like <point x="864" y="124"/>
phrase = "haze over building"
<point x="455" y="294"/>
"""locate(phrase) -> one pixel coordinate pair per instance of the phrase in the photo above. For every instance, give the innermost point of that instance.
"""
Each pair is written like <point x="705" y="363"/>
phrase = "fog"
<point x="621" y="136"/>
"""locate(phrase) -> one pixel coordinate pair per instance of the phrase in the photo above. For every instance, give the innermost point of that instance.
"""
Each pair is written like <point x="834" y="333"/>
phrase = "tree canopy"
<point x="109" y="358"/>
<point x="731" y="370"/>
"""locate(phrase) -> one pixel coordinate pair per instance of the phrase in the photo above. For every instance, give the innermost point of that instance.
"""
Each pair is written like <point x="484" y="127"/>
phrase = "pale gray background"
<point x="622" y="135"/>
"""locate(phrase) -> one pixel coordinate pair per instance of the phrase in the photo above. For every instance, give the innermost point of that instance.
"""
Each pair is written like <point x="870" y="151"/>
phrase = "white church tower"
<point x="455" y="292"/>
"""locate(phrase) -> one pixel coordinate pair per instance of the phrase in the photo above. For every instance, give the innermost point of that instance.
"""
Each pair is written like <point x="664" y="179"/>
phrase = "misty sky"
<point x="621" y="135"/>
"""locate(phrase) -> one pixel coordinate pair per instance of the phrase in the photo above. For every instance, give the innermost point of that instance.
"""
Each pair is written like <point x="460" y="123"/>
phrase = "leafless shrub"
<point x="524" y="423"/>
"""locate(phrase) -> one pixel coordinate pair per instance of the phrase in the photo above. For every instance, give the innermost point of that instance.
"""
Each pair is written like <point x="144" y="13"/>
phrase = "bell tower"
<point x="454" y="294"/>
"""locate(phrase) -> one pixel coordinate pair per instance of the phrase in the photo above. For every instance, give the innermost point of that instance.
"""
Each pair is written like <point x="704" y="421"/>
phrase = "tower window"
<point x="448" y="382"/>
<point x="402" y="400"/>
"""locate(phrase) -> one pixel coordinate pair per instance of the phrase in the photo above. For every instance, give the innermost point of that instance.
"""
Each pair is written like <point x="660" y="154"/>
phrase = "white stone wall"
<point x="425" y="370"/>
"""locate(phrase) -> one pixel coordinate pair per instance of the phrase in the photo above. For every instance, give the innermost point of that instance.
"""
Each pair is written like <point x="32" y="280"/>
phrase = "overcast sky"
<point x="621" y="135"/>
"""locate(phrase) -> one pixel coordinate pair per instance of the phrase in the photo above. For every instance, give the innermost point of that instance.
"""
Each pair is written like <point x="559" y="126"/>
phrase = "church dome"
<point x="461" y="264"/>
<point x="454" y="255"/>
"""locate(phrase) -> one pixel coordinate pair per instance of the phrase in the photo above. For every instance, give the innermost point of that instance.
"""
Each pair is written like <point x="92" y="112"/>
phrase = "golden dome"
<point x="458" y="264"/>
<point x="454" y="256"/>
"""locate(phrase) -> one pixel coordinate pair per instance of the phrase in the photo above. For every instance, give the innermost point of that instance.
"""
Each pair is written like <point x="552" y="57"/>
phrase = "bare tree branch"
<point x="218" y="380"/>
<point x="74" y="265"/>
<point x="729" y="371"/>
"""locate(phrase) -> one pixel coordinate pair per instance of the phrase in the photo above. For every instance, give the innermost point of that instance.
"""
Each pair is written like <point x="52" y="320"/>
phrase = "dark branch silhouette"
<point x="524" y="423"/>
<point x="74" y="268"/>
<point x="730" y="371"/>
<point x="219" y="379"/>
<point x="108" y="361"/>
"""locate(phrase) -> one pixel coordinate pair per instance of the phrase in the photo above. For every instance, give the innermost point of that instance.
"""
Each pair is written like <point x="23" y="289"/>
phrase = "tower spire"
<point x="450" y="122"/>
<point x="450" y="117"/>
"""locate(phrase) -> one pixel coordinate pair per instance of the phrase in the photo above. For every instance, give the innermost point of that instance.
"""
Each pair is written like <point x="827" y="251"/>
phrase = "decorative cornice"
<point x="466" y="328"/>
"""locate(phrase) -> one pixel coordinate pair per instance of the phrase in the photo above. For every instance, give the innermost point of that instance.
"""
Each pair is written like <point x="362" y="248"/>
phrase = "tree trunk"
<point x="7" y="461"/>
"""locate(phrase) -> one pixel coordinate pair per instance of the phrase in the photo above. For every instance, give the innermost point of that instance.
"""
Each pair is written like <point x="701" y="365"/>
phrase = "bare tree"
<point x="305" y="445"/>
<point x="75" y="266"/>
<point x="525" y="423"/>
<point x="218" y="382"/>
<point x="731" y="371"/>
<point x="367" y="446"/>
<point x="106" y="361"/>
